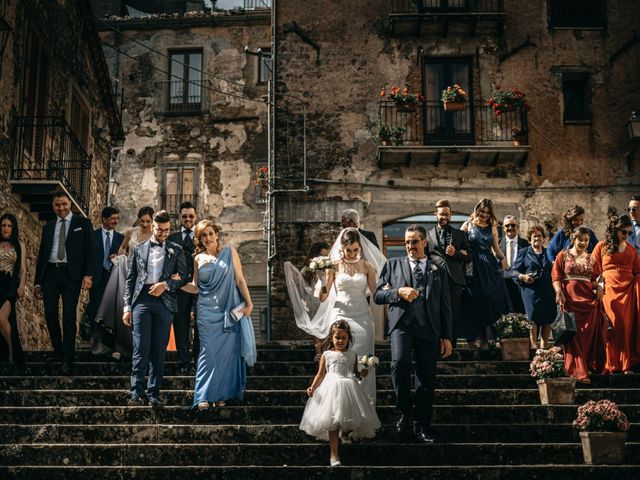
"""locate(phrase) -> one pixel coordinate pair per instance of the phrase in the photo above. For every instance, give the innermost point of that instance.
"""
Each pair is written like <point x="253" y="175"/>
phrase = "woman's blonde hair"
<point x="475" y="215"/>
<point x="200" y="229"/>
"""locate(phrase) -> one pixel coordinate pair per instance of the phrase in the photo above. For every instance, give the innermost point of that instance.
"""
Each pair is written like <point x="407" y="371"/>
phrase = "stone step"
<point x="264" y="368"/>
<point x="236" y="454"/>
<point x="459" y="414"/>
<point x="275" y="434"/>
<point x="299" y="382"/>
<point x="70" y="398"/>
<point x="480" y="472"/>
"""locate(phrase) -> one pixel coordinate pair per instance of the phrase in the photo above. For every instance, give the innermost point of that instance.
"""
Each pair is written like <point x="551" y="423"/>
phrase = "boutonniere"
<point x="170" y="251"/>
<point x="433" y="267"/>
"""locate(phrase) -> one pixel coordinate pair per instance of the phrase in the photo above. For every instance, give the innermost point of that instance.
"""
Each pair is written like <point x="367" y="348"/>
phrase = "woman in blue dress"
<point x="490" y="296"/>
<point x="571" y="219"/>
<point x="532" y="272"/>
<point x="223" y="299"/>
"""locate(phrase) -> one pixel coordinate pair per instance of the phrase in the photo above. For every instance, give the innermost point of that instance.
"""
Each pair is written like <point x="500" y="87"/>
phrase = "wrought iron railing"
<point x="171" y="203"/>
<point x="430" y="124"/>
<point x="447" y="6"/>
<point x="257" y="4"/>
<point x="47" y="149"/>
<point x="181" y="96"/>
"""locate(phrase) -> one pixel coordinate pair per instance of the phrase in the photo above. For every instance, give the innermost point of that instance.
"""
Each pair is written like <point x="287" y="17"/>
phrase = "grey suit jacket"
<point x="454" y="265"/>
<point x="173" y="263"/>
<point x="395" y="274"/>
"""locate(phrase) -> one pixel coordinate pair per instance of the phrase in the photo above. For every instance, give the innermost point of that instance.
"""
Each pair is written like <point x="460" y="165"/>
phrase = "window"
<point x="80" y="119"/>
<point x="264" y="66"/>
<point x="179" y="186"/>
<point x="577" y="98"/>
<point x="585" y="14"/>
<point x="185" y="81"/>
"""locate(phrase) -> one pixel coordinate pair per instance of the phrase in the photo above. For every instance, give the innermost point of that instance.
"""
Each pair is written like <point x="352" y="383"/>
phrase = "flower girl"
<point x="338" y="407"/>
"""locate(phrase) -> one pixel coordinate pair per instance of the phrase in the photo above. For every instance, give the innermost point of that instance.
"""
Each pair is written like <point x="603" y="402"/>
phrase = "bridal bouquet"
<point x="319" y="264"/>
<point x="369" y="361"/>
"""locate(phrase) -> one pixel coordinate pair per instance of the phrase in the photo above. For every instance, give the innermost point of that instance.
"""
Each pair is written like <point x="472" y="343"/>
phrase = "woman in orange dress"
<point x="618" y="264"/>
<point x="574" y="280"/>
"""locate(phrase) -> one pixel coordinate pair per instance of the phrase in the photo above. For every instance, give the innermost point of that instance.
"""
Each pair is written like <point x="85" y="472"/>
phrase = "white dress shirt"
<point x="53" y="255"/>
<point x="155" y="262"/>
<point x="507" y="245"/>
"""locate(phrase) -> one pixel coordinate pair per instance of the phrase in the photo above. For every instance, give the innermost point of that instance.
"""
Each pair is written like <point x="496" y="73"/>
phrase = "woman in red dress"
<point x="574" y="279"/>
<point x="618" y="264"/>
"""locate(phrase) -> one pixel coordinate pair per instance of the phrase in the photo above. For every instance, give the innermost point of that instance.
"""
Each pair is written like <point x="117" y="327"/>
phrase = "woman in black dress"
<point x="13" y="277"/>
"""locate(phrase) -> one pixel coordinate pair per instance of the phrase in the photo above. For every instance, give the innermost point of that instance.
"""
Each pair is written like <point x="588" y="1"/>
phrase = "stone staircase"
<point x="487" y="417"/>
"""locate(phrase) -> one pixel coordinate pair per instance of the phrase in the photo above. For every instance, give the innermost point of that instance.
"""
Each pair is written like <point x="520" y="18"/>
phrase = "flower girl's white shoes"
<point x="334" y="462"/>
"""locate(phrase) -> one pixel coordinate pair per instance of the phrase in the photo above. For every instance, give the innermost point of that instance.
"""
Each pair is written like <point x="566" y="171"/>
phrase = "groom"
<point x="149" y="304"/>
<point x="417" y="292"/>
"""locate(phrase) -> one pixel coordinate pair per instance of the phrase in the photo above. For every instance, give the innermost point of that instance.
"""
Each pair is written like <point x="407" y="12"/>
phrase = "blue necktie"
<point x="106" y="262"/>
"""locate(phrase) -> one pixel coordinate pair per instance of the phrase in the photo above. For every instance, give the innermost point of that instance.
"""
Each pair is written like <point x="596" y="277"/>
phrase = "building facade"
<point x="575" y="61"/>
<point x="58" y="123"/>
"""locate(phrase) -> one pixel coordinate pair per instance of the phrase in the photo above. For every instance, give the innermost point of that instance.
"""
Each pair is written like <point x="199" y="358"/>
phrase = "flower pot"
<point x="603" y="447"/>
<point x="405" y="107"/>
<point x="453" y="106"/>
<point x="515" y="348"/>
<point x="557" y="391"/>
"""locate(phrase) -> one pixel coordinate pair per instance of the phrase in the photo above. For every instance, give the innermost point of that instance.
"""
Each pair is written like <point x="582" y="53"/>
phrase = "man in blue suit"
<point x="150" y="304"/>
<point x="417" y="292"/>
<point x="108" y="242"/>
<point x="634" y="213"/>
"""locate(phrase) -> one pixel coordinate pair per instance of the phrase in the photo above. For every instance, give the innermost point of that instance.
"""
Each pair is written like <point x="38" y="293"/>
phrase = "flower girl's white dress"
<point x="339" y="403"/>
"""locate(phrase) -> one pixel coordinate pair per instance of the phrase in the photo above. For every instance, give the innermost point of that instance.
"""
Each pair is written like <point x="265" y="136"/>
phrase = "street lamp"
<point x="633" y="129"/>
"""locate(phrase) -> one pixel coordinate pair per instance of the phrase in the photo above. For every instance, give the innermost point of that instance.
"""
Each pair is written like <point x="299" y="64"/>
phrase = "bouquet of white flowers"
<point x="369" y="361"/>
<point x="319" y="264"/>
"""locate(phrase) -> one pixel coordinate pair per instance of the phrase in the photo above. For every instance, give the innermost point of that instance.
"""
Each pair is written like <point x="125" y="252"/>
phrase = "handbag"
<point x="564" y="326"/>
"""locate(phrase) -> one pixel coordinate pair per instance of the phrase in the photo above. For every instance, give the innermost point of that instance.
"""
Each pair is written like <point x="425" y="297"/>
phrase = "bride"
<point x="343" y="296"/>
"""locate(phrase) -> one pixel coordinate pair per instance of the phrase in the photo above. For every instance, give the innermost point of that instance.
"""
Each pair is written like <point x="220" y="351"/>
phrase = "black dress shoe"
<point x="423" y="437"/>
<point x="183" y="371"/>
<point x="154" y="402"/>
<point x="67" y="369"/>
<point x="135" y="401"/>
<point x="402" y="427"/>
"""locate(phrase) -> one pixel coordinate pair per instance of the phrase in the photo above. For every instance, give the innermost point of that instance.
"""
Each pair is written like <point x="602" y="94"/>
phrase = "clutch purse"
<point x="236" y="313"/>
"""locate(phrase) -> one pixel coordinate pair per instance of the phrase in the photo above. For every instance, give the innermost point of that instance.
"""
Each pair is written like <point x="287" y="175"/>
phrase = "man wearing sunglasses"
<point x="510" y="244"/>
<point x="417" y="292"/>
<point x="634" y="213"/>
<point x="186" y="301"/>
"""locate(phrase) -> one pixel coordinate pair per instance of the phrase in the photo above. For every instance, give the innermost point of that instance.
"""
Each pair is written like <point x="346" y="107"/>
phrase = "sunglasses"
<point x="511" y="225"/>
<point x="632" y="209"/>
<point x="625" y="233"/>
<point x="411" y="242"/>
<point x="188" y="216"/>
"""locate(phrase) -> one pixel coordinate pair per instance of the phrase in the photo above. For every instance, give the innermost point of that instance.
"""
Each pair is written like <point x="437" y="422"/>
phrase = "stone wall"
<point x="581" y="163"/>
<point x="61" y="27"/>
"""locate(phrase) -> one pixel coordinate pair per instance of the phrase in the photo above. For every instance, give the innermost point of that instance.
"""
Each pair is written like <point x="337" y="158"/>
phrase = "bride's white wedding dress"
<point x="351" y="305"/>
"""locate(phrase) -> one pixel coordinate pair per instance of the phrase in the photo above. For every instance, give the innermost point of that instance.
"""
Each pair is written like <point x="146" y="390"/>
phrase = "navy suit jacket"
<point x="116" y="241"/>
<point x="79" y="245"/>
<point x="173" y="263"/>
<point x="395" y="274"/>
<point x="453" y="265"/>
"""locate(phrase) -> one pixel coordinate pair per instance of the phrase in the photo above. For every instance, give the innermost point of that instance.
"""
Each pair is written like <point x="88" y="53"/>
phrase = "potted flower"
<point x="553" y="384"/>
<point x="507" y="101"/>
<point x="603" y="432"/>
<point x="518" y="136"/>
<point x="260" y="181"/>
<point x="454" y="98"/>
<point x="513" y="331"/>
<point x="405" y="100"/>
<point x="390" y="135"/>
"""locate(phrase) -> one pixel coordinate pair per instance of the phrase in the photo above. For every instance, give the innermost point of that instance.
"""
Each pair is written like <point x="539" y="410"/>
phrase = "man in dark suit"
<point x="107" y="243"/>
<point x="149" y="305"/>
<point x="417" y="292"/>
<point x="186" y="301"/>
<point x="351" y="219"/>
<point x="510" y="244"/>
<point x="65" y="266"/>
<point x="449" y="248"/>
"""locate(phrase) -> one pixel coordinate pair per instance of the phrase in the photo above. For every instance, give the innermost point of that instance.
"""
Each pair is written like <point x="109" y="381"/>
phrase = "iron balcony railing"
<point x="47" y="149"/>
<point x="257" y="4"/>
<point x="171" y="202"/>
<point x="181" y="96"/>
<point x="447" y="6"/>
<point x="429" y="124"/>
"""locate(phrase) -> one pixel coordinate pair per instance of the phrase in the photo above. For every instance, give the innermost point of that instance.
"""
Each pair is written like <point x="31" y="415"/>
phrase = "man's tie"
<point x="441" y="239"/>
<point x="62" y="236"/>
<point x="510" y="252"/>
<point x="418" y="275"/>
<point x="106" y="261"/>
<point x="188" y="242"/>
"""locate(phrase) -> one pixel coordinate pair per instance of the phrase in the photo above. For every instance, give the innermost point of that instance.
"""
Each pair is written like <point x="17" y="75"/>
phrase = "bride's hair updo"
<point x="200" y="229"/>
<point x="349" y="237"/>
<point x="327" y="343"/>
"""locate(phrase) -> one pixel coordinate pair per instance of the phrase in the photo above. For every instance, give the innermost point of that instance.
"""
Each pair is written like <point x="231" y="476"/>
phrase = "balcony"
<point x="473" y="135"/>
<point x="445" y="17"/>
<point x="180" y="97"/>
<point x="49" y="157"/>
<point x="171" y="203"/>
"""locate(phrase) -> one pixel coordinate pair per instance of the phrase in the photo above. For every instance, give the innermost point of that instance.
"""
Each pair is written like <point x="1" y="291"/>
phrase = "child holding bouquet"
<point x="337" y="405"/>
